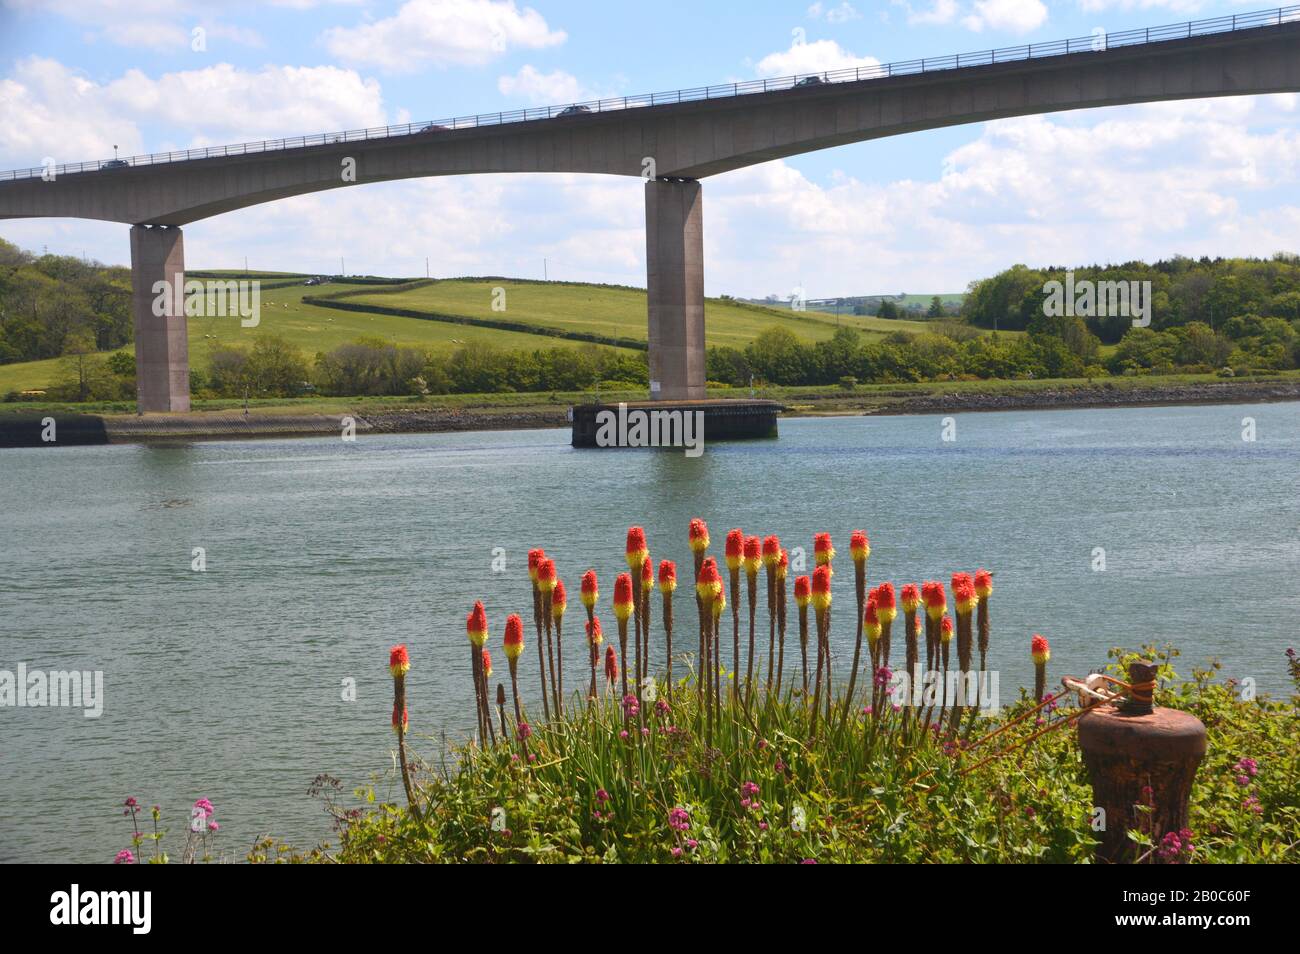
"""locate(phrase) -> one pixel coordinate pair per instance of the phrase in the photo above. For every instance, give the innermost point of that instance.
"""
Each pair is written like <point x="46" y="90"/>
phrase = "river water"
<point x="228" y="683"/>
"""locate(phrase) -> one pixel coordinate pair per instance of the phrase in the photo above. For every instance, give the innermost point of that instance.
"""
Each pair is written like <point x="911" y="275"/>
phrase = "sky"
<point x="921" y="213"/>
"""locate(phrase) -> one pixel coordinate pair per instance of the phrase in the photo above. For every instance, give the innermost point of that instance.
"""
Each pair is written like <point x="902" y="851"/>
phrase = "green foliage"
<point x="878" y="789"/>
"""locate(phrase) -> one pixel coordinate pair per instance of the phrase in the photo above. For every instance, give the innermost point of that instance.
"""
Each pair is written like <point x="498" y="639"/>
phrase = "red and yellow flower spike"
<point x="709" y="584"/>
<point x="623" y="601"/>
<point x="885" y="605"/>
<point x="802" y="591"/>
<point x="859" y="546"/>
<point x="611" y="665"/>
<point x="487" y="664"/>
<point x="823" y="551"/>
<point x="734" y="549"/>
<point x="771" y="551"/>
<point x="983" y="583"/>
<point x="594" y="635"/>
<point x="936" y="602"/>
<point x="546" y="577"/>
<point x="821" y="588"/>
<point x="514" y="641"/>
<point x="782" y="565"/>
<point x="753" y="555"/>
<point x="945" y="631"/>
<point x="871" y="620"/>
<point x="698" y="535"/>
<point x="476" y="626"/>
<point x="535" y="557"/>
<point x="559" y="600"/>
<point x="910" y="597"/>
<point x="720" y="601"/>
<point x="588" y="590"/>
<point x="637" y="551"/>
<point x="403" y="722"/>
<point x="667" y="576"/>
<point x="1040" y="649"/>
<point x="399" y="663"/>
<point x="963" y="593"/>
<point x="647" y="574"/>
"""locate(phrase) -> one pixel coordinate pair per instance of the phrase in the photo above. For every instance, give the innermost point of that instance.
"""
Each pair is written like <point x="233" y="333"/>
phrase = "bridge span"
<point x="673" y="140"/>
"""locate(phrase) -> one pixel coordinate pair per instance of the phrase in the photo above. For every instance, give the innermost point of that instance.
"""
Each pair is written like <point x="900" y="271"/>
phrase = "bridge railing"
<point x="1031" y="51"/>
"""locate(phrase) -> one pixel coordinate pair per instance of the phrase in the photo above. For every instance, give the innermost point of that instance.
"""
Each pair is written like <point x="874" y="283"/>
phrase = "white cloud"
<point x="47" y="109"/>
<point x="816" y="57"/>
<point x="442" y="33"/>
<point x="543" y="89"/>
<point x="1015" y="16"/>
<point x="158" y="25"/>
<point x="842" y="13"/>
<point x="1177" y="6"/>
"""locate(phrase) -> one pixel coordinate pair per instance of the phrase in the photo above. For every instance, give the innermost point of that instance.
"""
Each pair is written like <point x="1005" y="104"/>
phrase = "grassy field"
<point x="613" y="311"/>
<point x="594" y="309"/>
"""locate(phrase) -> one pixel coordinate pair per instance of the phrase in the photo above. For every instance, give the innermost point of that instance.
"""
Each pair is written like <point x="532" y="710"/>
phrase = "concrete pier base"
<point x="162" y="357"/>
<point x="722" y="420"/>
<point x="674" y="237"/>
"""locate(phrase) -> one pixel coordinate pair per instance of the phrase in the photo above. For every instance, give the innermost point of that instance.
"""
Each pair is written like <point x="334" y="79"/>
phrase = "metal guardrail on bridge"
<point x="1032" y="51"/>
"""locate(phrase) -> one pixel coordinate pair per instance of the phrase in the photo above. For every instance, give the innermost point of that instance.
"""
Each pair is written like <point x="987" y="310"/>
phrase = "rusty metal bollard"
<point x="1139" y="755"/>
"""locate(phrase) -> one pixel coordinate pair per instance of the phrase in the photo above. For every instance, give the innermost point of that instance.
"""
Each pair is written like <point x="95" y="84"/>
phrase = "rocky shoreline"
<point x="26" y="430"/>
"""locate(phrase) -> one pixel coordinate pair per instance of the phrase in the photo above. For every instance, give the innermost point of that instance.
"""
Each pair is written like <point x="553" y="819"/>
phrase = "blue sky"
<point x="919" y="213"/>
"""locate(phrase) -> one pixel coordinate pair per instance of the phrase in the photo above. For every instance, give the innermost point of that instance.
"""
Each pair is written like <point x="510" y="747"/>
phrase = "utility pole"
<point x="426" y="266"/>
<point x="546" y="275"/>
<point x="343" y="269"/>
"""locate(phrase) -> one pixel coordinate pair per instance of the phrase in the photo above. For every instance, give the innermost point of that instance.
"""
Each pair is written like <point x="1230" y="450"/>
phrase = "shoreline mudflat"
<point x="19" y="429"/>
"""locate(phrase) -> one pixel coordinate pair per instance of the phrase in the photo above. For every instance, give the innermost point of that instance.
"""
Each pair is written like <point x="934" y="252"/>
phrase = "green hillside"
<point x="599" y="311"/>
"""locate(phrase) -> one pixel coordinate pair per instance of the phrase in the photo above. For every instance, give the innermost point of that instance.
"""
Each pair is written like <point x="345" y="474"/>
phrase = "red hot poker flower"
<point x="594" y="636"/>
<point x="945" y="629"/>
<point x="647" y="574"/>
<point x="735" y="549"/>
<point x="802" y="590"/>
<point x="871" y="618"/>
<point x="623" y="596"/>
<point x="535" y="557"/>
<point x="559" y="600"/>
<point x="637" y="551"/>
<point x="399" y="663"/>
<point x="885" y="602"/>
<point x="514" y="640"/>
<point x="611" y="665"/>
<point x="709" y="585"/>
<point x="782" y="565"/>
<point x="910" y="597"/>
<point x="753" y="554"/>
<point x="588" y="591"/>
<point x="1040" y="649"/>
<point x="983" y="583"/>
<point x="667" y="576"/>
<point x="699" y="535"/>
<point x="821" y="587"/>
<point x="546" y="575"/>
<point x="936" y="603"/>
<point x="771" y="551"/>
<point x="487" y="664"/>
<point x="720" y="601"/>
<point x="859" y="546"/>
<point x="822" y="549"/>
<point x="476" y="626"/>
<point x="401" y="722"/>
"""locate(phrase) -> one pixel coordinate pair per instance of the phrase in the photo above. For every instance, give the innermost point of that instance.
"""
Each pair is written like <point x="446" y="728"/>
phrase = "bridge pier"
<point x="162" y="355"/>
<point x="674" y="235"/>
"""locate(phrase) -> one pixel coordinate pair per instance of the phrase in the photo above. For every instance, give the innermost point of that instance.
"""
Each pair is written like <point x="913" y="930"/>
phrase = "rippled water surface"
<point x="321" y="554"/>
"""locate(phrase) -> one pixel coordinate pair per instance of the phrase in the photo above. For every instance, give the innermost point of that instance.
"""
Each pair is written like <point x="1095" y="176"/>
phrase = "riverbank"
<point x="24" y="424"/>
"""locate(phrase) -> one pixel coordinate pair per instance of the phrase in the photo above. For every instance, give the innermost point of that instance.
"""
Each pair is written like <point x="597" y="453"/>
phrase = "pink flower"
<point x="679" y="819"/>
<point x="213" y="826"/>
<point x="124" y="857"/>
<point x="602" y="796"/>
<point x="525" y="731"/>
<point x="205" y="807"/>
<point x="677" y="852"/>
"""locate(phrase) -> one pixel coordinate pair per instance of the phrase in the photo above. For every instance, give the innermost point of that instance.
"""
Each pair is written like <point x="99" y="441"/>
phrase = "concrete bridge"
<point x="673" y="140"/>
